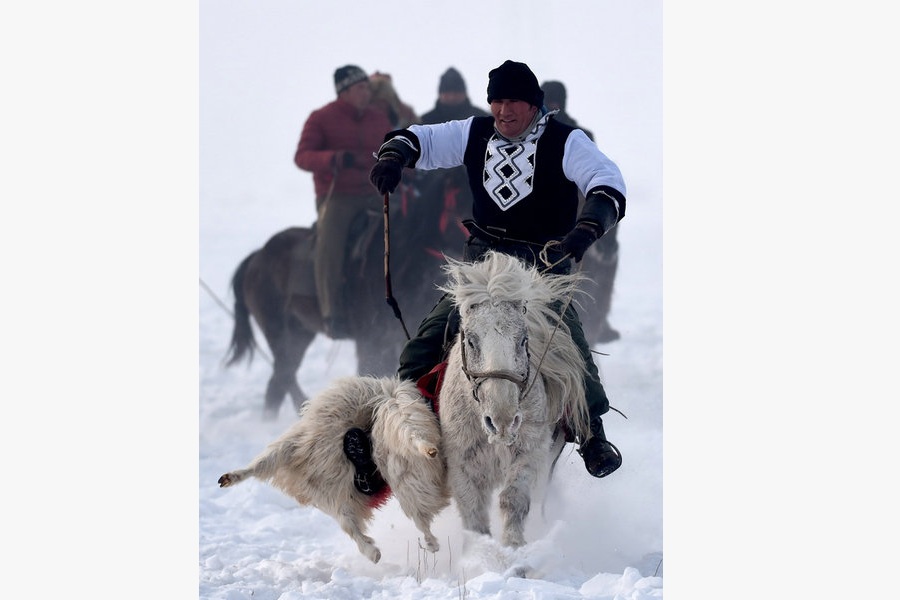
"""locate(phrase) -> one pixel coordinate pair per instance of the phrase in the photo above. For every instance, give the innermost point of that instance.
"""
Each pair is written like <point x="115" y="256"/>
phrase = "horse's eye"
<point x="524" y="340"/>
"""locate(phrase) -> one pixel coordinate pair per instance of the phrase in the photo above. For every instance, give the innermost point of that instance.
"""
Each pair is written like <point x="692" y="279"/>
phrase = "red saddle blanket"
<point x="430" y="385"/>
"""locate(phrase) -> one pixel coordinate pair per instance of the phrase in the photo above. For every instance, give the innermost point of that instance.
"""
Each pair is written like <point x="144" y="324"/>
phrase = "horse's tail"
<point x="242" y="342"/>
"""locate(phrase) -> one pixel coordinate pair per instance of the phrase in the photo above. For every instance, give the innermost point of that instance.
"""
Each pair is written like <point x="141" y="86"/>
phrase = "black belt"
<point x="480" y="232"/>
<point x="527" y="251"/>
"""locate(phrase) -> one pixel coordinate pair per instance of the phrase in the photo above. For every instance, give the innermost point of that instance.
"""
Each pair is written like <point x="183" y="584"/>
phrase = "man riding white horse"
<point x="525" y="171"/>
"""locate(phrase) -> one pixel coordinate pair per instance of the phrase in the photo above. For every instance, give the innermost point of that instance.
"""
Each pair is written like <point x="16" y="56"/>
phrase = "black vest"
<point x="549" y="212"/>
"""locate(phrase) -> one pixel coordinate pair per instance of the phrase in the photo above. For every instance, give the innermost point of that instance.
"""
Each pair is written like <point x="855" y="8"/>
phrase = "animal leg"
<point x="354" y="526"/>
<point x="235" y="477"/>
<point x="515" y="503"/>
<point x="472" y="497"/>
<point x="275" y="391"/>
<point x="423" y="523"/>
<point x="415" y="508"/>
<point x="297" y="395"/>
<point x="300" y="340"/>
<point x="557" y="443"/>
<point x="288" y="346"/>
<point x="263" y="467"/>
<point x="282" y="382"/>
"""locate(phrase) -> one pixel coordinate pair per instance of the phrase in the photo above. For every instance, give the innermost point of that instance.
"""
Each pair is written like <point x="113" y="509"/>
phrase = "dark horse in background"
<point x="275" y="286"/>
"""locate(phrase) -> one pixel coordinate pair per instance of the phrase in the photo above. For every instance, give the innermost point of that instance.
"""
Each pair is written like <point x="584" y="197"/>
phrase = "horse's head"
<point x="494" y="351"/>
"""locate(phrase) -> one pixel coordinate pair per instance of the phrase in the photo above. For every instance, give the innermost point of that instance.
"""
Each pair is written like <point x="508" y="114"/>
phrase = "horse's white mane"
<point x="501" y="278"/>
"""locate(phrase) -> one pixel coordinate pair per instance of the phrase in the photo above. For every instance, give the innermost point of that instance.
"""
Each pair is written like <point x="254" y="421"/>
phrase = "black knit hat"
<point x="555" y="92"/>
<point x="346" y="76"/>
<point x="514" y="81"/>
<point x="451" y="81"/>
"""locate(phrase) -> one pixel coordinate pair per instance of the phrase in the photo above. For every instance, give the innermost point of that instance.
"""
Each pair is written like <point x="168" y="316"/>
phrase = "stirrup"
<point x="610" y="463"/>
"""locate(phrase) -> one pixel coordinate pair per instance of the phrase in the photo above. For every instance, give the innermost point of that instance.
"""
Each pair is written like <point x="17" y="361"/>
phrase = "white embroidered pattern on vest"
<point x="508" y="175"/>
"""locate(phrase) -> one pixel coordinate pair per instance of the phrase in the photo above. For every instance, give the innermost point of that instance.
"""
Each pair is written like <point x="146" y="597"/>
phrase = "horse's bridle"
<point x="476" y="378"/>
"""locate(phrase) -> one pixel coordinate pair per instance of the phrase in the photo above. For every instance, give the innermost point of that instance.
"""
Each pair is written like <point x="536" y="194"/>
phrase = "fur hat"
<point x="555" y="91"/>
<point x="451" y="81"/>
<point x="514" y="81"/>
<point x="348" y="75"/>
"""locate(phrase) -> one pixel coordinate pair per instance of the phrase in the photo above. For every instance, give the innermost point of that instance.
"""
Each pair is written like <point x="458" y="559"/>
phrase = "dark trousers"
<point x="335" y="217"/>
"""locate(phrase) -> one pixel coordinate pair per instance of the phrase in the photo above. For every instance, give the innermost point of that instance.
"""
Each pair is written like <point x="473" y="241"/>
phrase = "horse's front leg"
<point x="515" y="497"/>
<point x="472" y="488"/>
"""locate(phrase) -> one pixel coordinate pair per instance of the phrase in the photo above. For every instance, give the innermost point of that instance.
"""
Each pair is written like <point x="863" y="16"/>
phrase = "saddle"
<point x="430" y="383"/>
<point x="363" y="230"/>
<point x="301" y="278"/>
<point x="302" y="281"/>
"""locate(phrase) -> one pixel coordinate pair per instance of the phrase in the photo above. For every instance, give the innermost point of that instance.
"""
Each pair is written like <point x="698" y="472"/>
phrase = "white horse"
<point x="308" y="462"/>
<point x="514" y="378"/>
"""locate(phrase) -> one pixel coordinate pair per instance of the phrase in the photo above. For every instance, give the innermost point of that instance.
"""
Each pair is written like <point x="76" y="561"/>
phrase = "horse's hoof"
<point x="225" y="480"/>
<point x="373" y="554"/>
<point x="514" y="541"/>
<point x="518" y="571"/>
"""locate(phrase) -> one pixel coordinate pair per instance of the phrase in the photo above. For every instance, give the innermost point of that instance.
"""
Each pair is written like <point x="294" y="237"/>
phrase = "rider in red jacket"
<point x="336" y="145"/>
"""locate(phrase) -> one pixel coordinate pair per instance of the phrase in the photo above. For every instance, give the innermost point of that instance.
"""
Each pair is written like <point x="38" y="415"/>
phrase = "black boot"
<point x="600" y="456"/>
<point x="359" y="450"/>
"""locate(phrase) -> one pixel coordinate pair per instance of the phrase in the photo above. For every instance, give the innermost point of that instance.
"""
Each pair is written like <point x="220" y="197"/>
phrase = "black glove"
<point x="385" y="175"/>
<point x="578" y="241"/>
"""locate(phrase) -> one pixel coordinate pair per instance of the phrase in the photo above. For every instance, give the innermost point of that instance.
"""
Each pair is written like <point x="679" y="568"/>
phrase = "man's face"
<point x="512" y="117"/>
<point x="359" y="94"/>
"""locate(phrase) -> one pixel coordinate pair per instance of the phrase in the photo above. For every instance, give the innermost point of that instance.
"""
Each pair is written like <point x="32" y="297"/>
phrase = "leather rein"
<point x="476" y="378"/>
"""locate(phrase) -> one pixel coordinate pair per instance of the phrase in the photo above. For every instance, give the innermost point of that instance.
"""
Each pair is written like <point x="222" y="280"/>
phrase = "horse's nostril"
<point x="490" y="425"/>
<point x="517" y="421"/>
